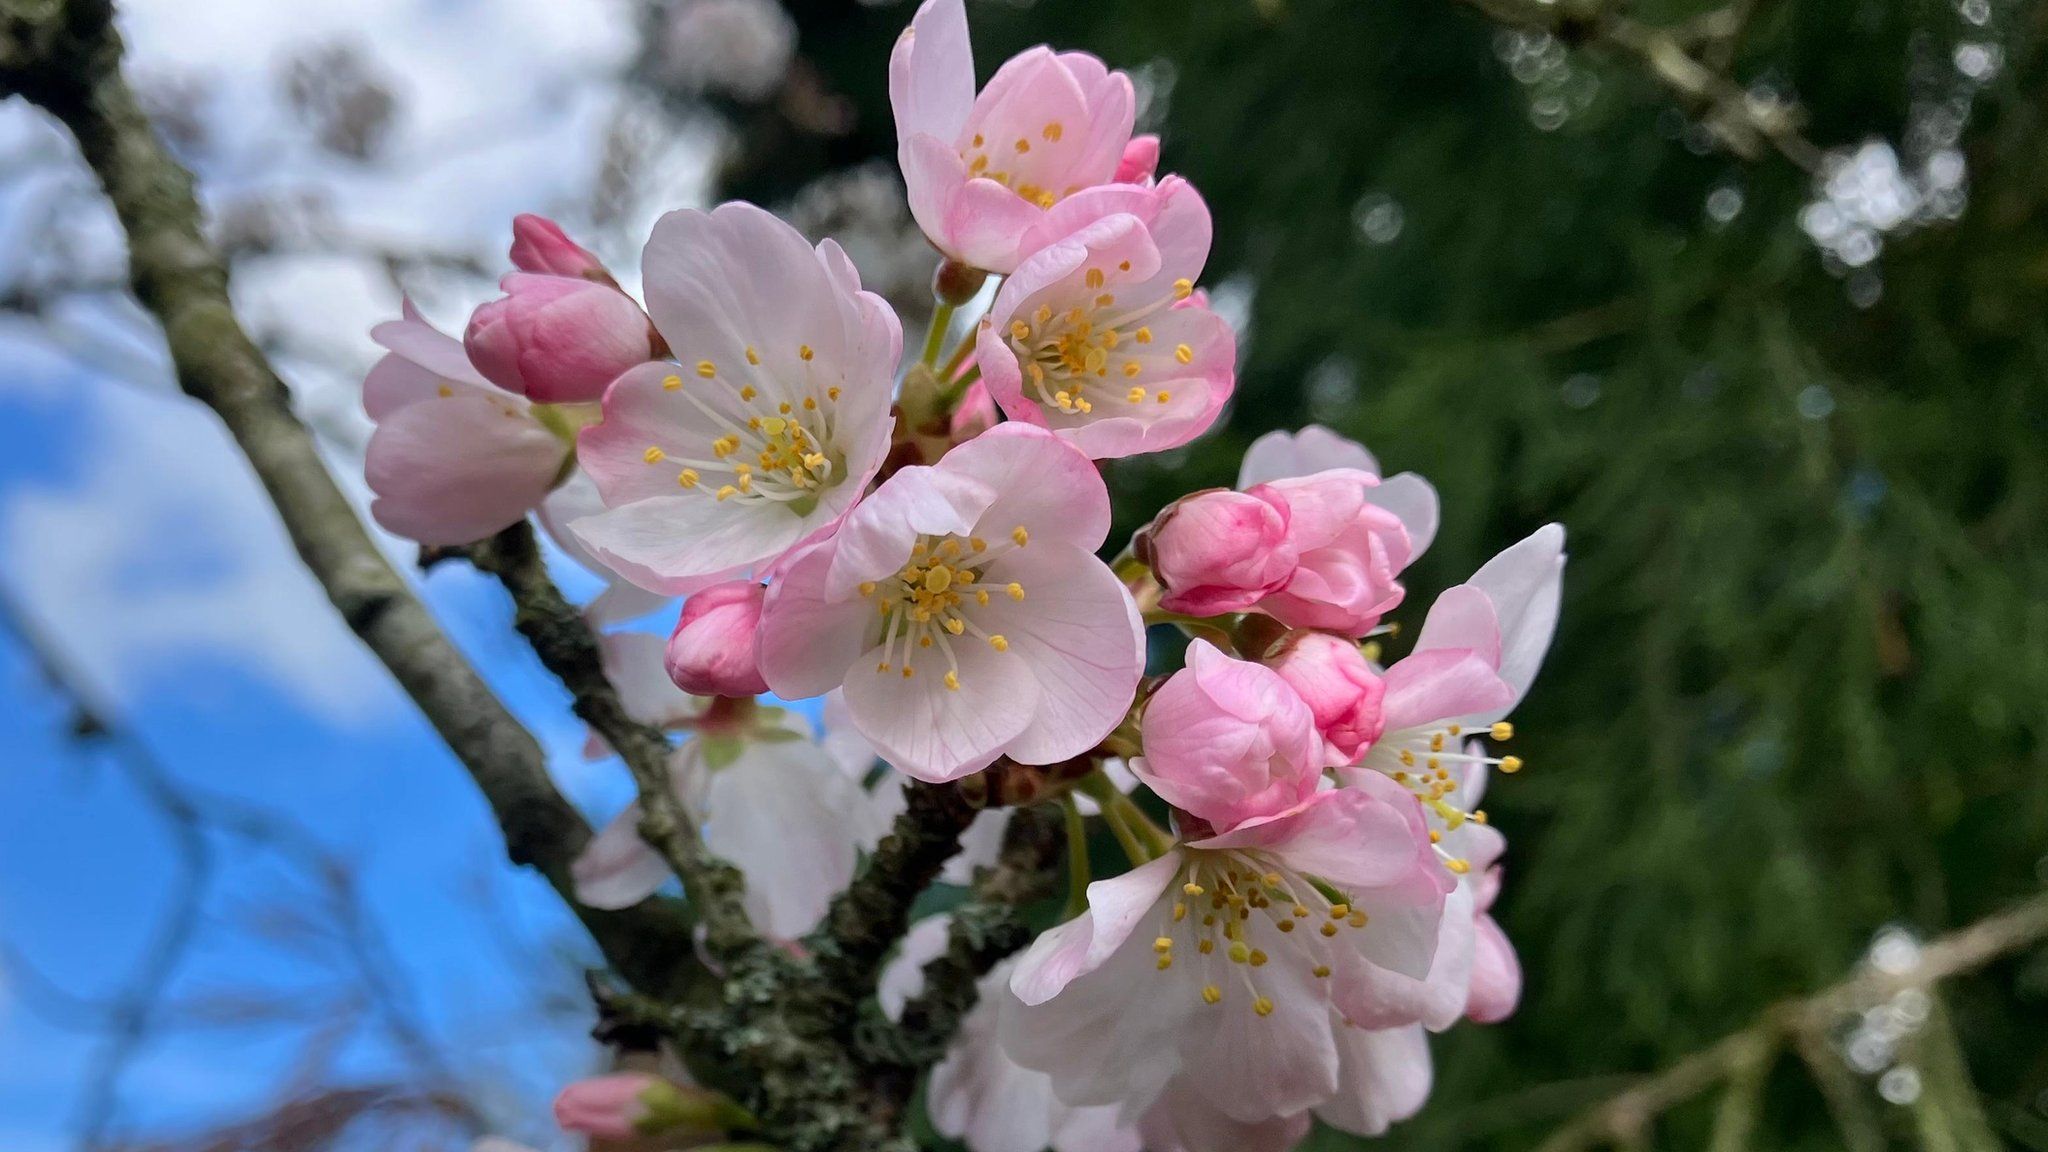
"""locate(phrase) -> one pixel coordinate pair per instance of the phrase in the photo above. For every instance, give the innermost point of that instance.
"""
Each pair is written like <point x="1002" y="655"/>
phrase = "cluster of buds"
<point x="920" y="544"/>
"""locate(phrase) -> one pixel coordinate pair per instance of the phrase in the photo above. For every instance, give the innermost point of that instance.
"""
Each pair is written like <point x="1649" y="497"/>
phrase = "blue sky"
<point x="131" y="530"/>
<point x="87" y="869"/>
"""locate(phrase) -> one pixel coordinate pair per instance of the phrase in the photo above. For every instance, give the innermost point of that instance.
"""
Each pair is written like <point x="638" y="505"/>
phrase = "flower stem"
<point x="942" y="318"/>
<point x="1141" y="839"/>
<point x="1077" y="857"/>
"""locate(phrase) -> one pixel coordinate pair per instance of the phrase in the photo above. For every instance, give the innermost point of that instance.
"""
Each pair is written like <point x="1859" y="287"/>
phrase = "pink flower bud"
<point x="608" y="1107"/>
<point x="1333" y="678"/>
<point x="1219" y="551"/>
<point x="1349" y="552"/>
<point x="557" y="339"/>
<point x="713" y="650"/>
<point x="1228" y="741"/>
<point x="540" y="245"/>
<point x="1140" y="160"/>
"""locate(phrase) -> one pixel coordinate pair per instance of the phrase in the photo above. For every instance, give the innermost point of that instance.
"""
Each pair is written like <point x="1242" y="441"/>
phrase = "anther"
<point x="999" y="642"/>
<point x="653" y="455"/>
<point x="1262" y="1006"/>
<point x="671" y="382"/>
<point x="1211" y="994"/>
<point x="687" y="478"/>
<point x="1502" y="730"/>
<point x="706" y="369"/>
<point x="1511" y="764"/>
<point x="952" y="679"/>
<point x="1183" y="288"/>
<point x="1020" y="535"/>
<point x="1183" y="353"/>
<point x="803" y="352"/>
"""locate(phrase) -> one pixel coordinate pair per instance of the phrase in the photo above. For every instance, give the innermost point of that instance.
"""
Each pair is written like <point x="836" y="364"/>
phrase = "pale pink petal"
<point x="1280" y="455"/>
<point x="395" y="382"/>
<point x="778" y="813"/>
<point x="621" y="600"/>
<point x="457" y="469"/>
<point x="1413" y="500"/>
<point x="1076" y="636"/>
<point x="1525" y="582"/>
<point x="617" y="869"/>
<point x="632" y="662"/>
<point x="809" y="638"/>
<point x="677" y="544"/>
<point x="1462" y="619"/>
<point x="1041" y="485"/>
<point x="1257" y="1067"/>
<point x="1186" y="1119"/>
<point x="877" y="537"/>
<point x="429" y="347"/>
<point x="932" y="731"/>
<point x="931" y="72"/>
<point x="1116" y="907"/>
<point x="1496" y="974"/>
<point x="902" y="978"/>
<point x="1428" y="688"/>
<point x="1347" y="836"/>
<point x="1383" y="1077"/>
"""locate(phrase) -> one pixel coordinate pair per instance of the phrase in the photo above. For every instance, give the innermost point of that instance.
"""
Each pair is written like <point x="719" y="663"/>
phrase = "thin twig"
<point x="1805" y="1023"/>
<point x="66" y="57"/>
<point x="1744" y="126"/>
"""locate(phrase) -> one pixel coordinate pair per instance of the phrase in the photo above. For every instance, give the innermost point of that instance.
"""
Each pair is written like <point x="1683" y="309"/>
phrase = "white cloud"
<point x="162" y="547"/>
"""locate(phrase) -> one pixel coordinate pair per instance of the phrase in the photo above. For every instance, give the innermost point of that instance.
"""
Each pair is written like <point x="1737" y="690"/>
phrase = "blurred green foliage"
<point x="1798" y="690"/>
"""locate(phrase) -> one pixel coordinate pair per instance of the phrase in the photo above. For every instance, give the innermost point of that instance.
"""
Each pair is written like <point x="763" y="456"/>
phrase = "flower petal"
<point x="1076" y="636"/>
<point x="1115" y="908"/>
<point x="459" y="468"/>
<point x="617" y="869"/>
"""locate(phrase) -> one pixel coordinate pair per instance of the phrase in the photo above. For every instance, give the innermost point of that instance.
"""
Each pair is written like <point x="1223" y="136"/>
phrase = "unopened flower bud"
<point x="1227" y="741"/>
<point x="557" y="339"/>
<point x="1333" y="678"/>
<point x="712" y="652"/>
<point x="1219" y="551"/>
<point x="1140" y="160"/>
<point x="629" y="1104"/>
<point x="956" y="283"/>
<point x="540" y="245"/>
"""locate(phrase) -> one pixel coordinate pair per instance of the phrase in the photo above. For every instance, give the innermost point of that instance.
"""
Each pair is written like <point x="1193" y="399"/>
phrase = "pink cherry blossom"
<point x="557" y="339"/>
<point x="1285" y="455"/>
<point x="454" y="458"/>
<point x="1228" y="969"/>
<point x="771" y="425"/>
<point x="1478" y="652"/>
<point x="977" y="1094"/>
<point x="1218" y="551"/>
<point x="1348" y="551"/>
<point x="1227" y="741"/>
<point x="1339" y="686"/>
<point x="964" y="610"/>
<point x="982" y="169"/>
<point x="1096" y="336"/>
<point x="711" y="652"/>
<point x="540" y="245"/>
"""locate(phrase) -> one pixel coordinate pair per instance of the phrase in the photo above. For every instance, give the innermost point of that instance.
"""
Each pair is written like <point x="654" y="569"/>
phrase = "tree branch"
<point x="985" y="930"/>
<point x="566" y="645"/>
<point x="66" y="57"/>
<point x="1805" y="1023"/>
<point x="1699" y="81"/>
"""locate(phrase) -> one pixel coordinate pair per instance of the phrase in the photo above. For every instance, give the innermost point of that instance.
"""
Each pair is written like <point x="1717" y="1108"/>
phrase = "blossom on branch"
<point x="964" y="611"/>
<point x="770" y="423"/>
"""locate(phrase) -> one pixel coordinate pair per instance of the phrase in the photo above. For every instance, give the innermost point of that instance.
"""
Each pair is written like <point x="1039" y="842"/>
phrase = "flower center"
<point x="1065" y="354"/>
<point x="775" y="437"/>
<point x="929" y="603"/>
<point x="1237" y="911"/>
<point x="1025" y="165"/>
<point x="1422" y="759"/>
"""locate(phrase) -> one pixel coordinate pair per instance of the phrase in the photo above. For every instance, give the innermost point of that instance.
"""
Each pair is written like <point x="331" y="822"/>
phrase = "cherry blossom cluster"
<point x="920" y="544"/>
